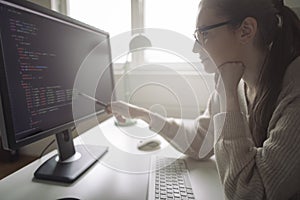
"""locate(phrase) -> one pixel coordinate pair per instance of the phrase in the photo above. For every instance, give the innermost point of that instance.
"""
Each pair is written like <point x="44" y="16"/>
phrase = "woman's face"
<point x="218" y="45"/>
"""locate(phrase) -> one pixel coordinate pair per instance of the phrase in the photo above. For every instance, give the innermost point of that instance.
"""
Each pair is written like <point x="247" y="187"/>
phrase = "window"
<point x="113" y="16"/>
<point x="177" y="16"/>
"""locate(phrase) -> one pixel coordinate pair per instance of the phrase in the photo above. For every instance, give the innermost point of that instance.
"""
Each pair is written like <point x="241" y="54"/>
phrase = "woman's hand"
<point x="229" y="76"/>
<point x="121" y="109"/>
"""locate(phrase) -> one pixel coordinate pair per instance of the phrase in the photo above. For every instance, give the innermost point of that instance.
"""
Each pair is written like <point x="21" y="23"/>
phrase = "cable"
<point x="45" y="149"/>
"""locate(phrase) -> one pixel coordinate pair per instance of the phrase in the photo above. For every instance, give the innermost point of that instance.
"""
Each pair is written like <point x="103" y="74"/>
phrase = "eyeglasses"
<point x="200" y="34"/>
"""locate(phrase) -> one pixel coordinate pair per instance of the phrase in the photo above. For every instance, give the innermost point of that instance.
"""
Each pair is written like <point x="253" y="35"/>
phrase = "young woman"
<point x="252" y="122"/>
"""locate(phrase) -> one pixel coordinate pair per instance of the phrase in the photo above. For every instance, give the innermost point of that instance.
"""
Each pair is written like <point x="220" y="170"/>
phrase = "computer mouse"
<point x="149" y="145"/>
<point x="68" y="198"/>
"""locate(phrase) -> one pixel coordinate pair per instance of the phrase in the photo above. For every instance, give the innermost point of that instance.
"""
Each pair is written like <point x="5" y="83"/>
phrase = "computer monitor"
<point x="40" y="56"/>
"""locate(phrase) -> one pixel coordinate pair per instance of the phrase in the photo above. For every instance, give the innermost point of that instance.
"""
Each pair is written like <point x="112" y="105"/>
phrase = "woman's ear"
<point x="247" y="30"/>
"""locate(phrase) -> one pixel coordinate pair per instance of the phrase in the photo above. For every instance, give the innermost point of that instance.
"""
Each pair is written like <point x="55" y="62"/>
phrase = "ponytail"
<point x="284" y="48"/>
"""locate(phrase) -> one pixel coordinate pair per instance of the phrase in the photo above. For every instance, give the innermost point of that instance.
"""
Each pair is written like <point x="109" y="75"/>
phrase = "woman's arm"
<point x="191" y="137"/>
<point x="268" y="172"/>
<point x="194" y="138"/>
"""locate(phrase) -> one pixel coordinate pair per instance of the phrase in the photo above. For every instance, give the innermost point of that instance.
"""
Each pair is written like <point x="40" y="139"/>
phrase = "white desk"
<point x="120" y="174"/>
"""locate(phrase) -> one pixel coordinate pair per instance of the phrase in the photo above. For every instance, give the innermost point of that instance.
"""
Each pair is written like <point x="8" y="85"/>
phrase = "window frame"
<point x="137" y="26"/>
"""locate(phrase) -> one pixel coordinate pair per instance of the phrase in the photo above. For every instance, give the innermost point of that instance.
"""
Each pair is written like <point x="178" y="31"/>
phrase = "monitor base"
<point x="69" y="171"/>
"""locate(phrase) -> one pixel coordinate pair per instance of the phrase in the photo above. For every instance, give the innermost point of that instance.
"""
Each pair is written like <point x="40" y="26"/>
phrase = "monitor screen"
<point x="42" y="53"/>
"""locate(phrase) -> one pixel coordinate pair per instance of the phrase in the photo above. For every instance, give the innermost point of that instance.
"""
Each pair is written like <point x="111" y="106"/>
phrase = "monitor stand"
<point x="71" y="162"/>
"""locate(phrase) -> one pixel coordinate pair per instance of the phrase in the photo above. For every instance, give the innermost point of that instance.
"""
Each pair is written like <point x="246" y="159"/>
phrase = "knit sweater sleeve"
<point x="269" y="172"/>
<point x="191" y="137"/>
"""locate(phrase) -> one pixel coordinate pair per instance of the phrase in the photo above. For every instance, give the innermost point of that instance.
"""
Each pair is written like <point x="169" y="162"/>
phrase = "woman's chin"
<point x="210" y="68"/>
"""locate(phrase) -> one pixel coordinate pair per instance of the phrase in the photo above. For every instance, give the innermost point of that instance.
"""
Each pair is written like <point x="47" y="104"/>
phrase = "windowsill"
<point x="193" y="69"/>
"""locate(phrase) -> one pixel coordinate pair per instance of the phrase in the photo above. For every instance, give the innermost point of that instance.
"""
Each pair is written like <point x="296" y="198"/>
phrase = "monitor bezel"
<point x="6" y="123"/>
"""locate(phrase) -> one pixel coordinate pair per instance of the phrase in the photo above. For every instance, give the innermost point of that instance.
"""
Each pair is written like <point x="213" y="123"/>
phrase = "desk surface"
<point x="121" y="174"/>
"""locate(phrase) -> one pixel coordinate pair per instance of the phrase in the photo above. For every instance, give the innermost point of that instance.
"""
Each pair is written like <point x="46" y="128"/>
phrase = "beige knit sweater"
<point x="270" y="172"/>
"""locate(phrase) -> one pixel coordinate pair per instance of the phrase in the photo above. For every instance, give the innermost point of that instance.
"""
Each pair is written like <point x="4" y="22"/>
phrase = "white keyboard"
<point x="169" y="180"/>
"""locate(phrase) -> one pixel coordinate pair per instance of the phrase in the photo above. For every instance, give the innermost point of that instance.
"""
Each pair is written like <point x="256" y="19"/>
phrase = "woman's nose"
<point x="196" y="47"/>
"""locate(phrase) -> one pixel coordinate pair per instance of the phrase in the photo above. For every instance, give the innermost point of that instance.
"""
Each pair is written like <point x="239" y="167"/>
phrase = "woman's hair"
<point x="279" y="35"/>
